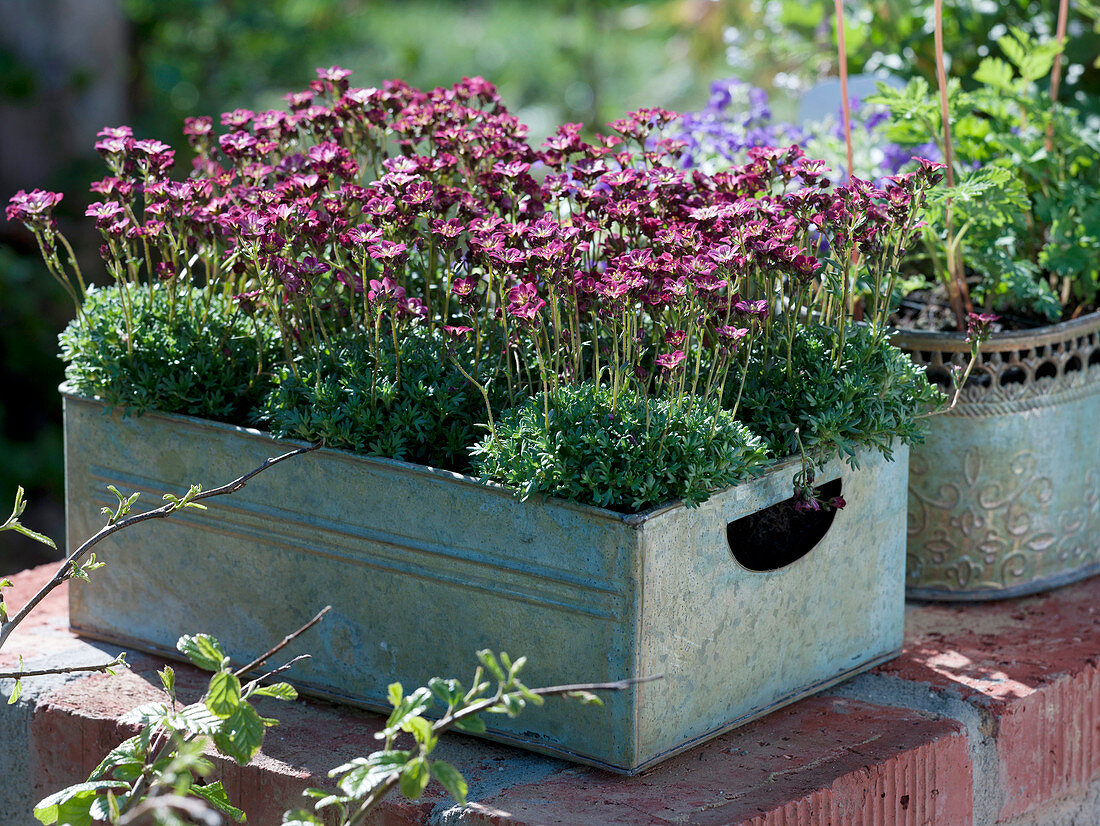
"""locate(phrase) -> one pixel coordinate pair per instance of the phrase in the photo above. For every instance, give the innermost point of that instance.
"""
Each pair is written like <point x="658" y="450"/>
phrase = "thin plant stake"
<point x="957" y="290"/>
<point x="842" y="60"/>
<point x="941" y="79"/>
<point x="1056" y="71"/>
<point x="846" y="110"/>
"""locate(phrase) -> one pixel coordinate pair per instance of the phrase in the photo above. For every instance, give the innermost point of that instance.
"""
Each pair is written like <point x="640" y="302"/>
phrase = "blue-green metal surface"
<point x="1004" y="495"/>
<point x="423" y="567"/>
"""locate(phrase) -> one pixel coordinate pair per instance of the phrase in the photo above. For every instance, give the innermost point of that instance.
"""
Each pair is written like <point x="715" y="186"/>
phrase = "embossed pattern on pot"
<point x="1004" y="496"/>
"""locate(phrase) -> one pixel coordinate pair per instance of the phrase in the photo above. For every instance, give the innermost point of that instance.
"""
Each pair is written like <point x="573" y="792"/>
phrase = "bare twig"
<point x="271" y="652"/>
<point x="67" y="569"/>
<point x="284" y="667"/>
<point x="69" y="669"/>
<point x="957" y="289"/>
<point x="1060" y="34"/>
<point x="616" y="685"/>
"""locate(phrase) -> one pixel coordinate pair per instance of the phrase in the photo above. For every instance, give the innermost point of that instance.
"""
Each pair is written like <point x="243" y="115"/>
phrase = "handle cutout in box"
<point x="775" y="536"/>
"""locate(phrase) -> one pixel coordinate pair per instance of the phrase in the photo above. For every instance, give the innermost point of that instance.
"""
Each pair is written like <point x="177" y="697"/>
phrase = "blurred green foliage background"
<point x="554" y="61"/>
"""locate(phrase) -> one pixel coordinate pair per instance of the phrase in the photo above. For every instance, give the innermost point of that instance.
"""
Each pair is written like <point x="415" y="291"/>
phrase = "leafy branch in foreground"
<point x="365" y="781"/>
<point x="157" y="771"/>
<point x="160" y="773"/>
<point x="82" y="561"/>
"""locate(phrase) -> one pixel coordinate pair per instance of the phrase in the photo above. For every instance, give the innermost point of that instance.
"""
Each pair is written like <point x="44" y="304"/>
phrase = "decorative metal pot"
<point x="1004" y="496"/>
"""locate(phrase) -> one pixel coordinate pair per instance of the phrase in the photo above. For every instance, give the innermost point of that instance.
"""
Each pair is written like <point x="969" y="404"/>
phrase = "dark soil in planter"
<point x="930" y="310"/>
<point x="783" y="533"/>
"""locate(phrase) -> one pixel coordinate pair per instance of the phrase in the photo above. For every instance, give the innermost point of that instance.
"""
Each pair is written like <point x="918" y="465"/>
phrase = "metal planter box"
<point x="423" y="567"/>
<point x="1004" y="495"/>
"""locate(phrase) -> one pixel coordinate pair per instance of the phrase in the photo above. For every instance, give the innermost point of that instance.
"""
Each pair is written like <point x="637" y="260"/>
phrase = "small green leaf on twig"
<point x="585" y="697"/>
<point x="282" y="691"/>
<point x="125" y="503"/>
<point x="202" y="650"/>
<point x="215" y="795"/>
<point x="471" y="725"/>
<point x="168" y="680"/>
<point x="488" y="659"/>
<point x="414" y="778"/>
<point x="12" y="523"/>
<point x="185" y="501"/>
<point x="18" y="527"/>
<point x="452" y="781"/>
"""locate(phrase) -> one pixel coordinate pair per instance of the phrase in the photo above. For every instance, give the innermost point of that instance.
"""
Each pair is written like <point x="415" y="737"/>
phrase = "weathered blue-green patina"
<point x="423" y="567"/>
<point x="1004" y="495"/>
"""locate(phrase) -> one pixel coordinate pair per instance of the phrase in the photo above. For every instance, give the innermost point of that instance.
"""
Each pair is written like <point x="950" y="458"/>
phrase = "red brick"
<point x="75" y="726"/>
<point x="821" y="761"/>
<point x="47" y="625"/>
<point x="1030" y="667"/>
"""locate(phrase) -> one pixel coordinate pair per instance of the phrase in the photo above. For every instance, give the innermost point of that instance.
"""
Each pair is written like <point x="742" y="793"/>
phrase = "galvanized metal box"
<point x="423" y="567"/>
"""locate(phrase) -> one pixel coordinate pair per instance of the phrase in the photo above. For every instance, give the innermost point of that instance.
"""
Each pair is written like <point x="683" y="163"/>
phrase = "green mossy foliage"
<point x="643" y="453"/>
<point x="876" y="395"/>
<point x="431" y="416"/>
<point x="208" y="362"/>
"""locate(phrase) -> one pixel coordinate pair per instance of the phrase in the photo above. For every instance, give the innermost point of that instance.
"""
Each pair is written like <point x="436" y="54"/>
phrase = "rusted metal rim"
<point x="956" y="342"/>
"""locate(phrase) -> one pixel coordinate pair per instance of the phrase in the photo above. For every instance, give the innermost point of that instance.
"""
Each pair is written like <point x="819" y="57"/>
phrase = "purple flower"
<point x="808" y="503"/>
<point x="237" y="144"/>
<point x="510" y="257"/>
<point x="198" y="127"/>
<point x="465" y="289"/>
<point x="238" y="119"/>
<point x="670" y="361"/>
<point x="524" y="301"/>
<point x="248" y="223"/>
<point x="731" y="336"/>
<point x="115" y="132"/>
<point x="334" y="74"/>
<point x="979" y="326"/>
<point x="298" y="100"/>
<point x="310" y="268"/>
<point x="388" y="251"/>
<point x="361" y="235"/>
<point x="113" y="146"/>
<point x="104" y="212"/>
<point x="447" y="232"/>
<point x="759" y="308"/>
<point x="34" y="208"/>
<point x="247" y="301"/>
<point x="513" y="169"/>
<point x="930" y="170"/>
<point x="153" y="155"/>
<point x="326" y="156"/>
<point x="386" y="291"/>
<point x="457" y="333"/>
